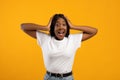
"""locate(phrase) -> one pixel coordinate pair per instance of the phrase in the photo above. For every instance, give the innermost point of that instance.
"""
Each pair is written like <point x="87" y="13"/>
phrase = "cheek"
<point x="55" y="29"/>
<point x="65" y="28"/>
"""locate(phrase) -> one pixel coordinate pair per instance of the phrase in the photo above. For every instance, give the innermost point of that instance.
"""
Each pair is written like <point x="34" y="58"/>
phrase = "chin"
<point x="59" y="38"/>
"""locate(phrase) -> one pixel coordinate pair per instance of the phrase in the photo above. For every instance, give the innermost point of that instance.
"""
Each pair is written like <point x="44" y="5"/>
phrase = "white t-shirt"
<point x="58" y="55"/>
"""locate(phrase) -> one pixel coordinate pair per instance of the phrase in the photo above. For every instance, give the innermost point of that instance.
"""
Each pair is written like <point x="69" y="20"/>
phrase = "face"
<point x="60" y="29"/>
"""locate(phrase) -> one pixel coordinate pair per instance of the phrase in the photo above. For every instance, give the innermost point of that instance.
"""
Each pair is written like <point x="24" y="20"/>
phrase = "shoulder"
<point x="42" y="37"/>
<point x="41" y="33"/>
<point x="77" y="35"/>
<point x="76" y="39"/>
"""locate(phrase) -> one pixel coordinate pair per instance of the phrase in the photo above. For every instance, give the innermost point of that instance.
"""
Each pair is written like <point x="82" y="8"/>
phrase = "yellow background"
<point x="97" y="59"/>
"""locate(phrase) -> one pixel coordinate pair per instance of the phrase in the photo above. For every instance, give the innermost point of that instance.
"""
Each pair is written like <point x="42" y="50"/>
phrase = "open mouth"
<point x="61" y="32"/>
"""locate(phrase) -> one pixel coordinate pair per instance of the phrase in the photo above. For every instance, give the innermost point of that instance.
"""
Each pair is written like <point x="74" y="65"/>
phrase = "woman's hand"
<point x="88" y="31"/>
<point x="69" y="23"/>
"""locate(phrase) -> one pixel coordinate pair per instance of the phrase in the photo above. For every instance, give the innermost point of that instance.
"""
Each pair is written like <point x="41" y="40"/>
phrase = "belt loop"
<point x="50" y="73"/>
<point x="61" y="75"/>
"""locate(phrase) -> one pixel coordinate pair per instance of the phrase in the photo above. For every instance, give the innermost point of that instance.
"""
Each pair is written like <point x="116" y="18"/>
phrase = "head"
<point x="59" y="27"/>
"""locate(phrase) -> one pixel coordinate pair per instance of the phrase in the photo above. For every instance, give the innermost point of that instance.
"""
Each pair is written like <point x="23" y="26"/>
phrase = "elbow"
<point x="95" y="31"/>
<point x="22" y="26"/>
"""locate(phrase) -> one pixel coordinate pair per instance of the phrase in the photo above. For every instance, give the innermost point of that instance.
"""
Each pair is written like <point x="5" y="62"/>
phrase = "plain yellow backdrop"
<point x="97" y="59"/>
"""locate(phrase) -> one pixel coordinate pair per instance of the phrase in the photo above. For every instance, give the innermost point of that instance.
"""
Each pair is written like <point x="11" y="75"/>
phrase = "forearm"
<point x="85" y="29"/>
<point x="32" y="26"/>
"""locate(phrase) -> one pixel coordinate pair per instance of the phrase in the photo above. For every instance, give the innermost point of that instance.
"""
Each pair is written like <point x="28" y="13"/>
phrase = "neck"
<point x="58" y="39"/>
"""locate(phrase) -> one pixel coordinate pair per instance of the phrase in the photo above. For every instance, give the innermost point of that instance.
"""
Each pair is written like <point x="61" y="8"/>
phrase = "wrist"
<point x="72" y="27"/>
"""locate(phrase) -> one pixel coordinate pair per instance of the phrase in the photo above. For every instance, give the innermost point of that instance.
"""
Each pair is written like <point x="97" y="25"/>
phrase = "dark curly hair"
<point x="52" y="26"/>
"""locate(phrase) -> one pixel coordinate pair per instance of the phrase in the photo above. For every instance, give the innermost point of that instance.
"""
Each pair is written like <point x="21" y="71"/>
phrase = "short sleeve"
<point x="41" y="37"/>
<point x="77" y="39"/>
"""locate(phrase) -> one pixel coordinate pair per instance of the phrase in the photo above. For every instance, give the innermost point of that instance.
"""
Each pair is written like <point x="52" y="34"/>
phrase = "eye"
<point x="57" y="24"/>
<point x="64" y="24"/>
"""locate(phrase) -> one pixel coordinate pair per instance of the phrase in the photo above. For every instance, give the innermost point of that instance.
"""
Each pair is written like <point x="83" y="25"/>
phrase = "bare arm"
<point x="88" y="31"/>
<point x="31" y="28"/>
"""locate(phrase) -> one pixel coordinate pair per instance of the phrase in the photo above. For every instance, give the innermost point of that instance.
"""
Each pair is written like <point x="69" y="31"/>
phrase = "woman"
<point x="59" y="46"/>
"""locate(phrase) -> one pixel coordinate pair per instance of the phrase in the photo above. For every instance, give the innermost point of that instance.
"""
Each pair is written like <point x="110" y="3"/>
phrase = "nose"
<point x="61" y="25"/>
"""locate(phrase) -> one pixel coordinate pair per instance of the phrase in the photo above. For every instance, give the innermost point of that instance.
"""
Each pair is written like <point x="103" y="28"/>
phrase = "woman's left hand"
<point x="69" y="23"/>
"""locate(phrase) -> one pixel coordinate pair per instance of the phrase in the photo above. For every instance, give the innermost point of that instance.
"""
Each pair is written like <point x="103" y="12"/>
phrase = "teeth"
<point x="60" y="32"/>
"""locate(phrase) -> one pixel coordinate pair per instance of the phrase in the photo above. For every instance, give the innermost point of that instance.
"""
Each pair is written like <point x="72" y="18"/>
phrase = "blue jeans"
<point x="48" y="77"/>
